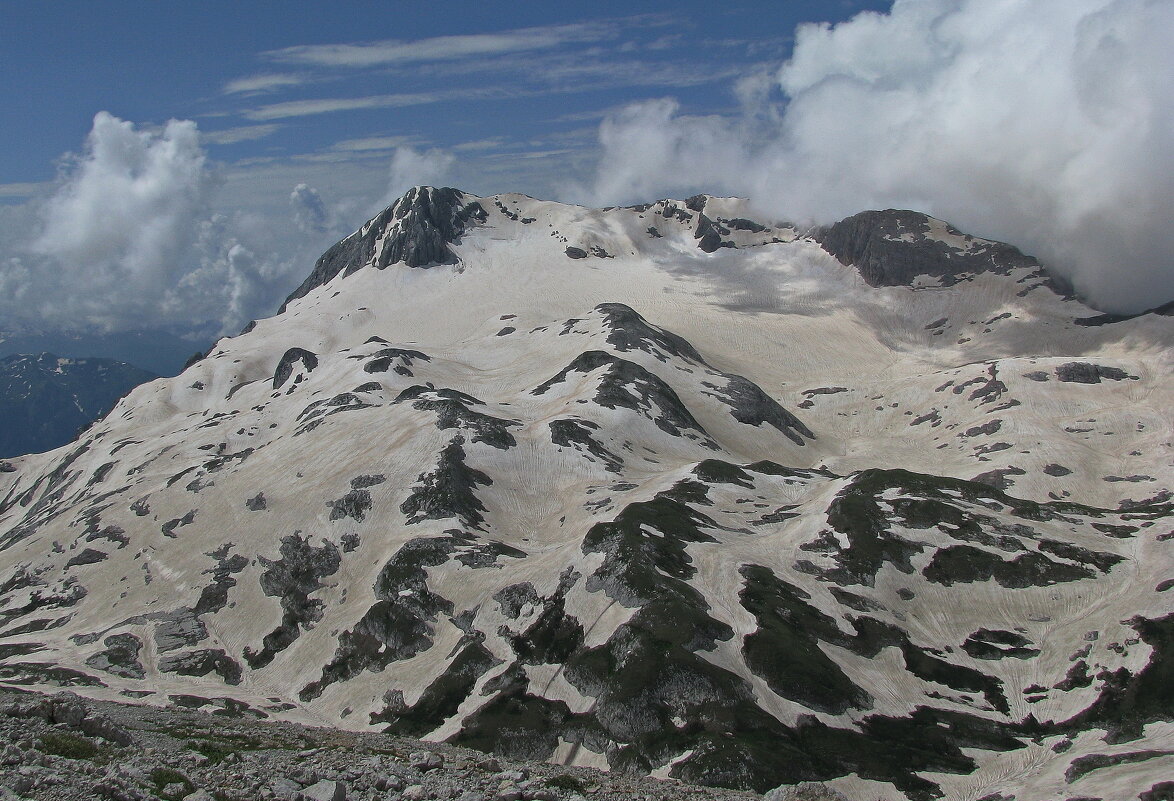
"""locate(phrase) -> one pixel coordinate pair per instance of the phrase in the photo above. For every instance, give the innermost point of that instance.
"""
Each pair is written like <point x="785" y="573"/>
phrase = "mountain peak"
<point x="894" y="246"/>
<point x="416" y="229"/>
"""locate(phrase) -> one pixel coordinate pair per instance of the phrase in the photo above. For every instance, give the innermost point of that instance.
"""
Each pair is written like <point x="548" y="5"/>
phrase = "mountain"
<point x="665" y="488"/>
<point x="46" y="400"/>
<point x="159" y="352"/>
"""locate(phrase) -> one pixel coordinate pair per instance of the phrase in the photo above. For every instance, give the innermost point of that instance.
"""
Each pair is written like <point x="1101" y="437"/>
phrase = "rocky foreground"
<point x="64" y="748"/>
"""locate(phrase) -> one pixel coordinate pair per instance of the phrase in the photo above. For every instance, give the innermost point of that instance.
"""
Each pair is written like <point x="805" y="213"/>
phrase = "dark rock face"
<point x="443" y="697"/>
<point x="214" y="596"/>
<point x="709" y="235"/>
<point x="292" y="578"/>
<point x="403" y="360"/>
<point x="999" y="644"/>
<point x="416" y="230"/>
<point x="177" y="629"/>
<point x="87" y="557"/>
<point x="121" y="657"/>
<point x="629" y="331"/>
<point x="576" y="434"/>
<point x="203" y="662"/>
<point x="751" y="406"/>
<point x="448" y="491"/>
<point x="400" y="624"/>
<point x="892" y="247"/>
<point x="511" y="599"/>
<point x="1086" y="373"/>
<point x="627" y="385"/>
<point x="286" y="364"/>
<point x="454" y="410"/>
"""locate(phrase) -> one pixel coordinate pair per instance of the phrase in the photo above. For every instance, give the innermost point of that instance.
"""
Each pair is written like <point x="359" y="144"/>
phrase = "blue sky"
<point x="181" y="166"/>
<point x="349" y="82"/>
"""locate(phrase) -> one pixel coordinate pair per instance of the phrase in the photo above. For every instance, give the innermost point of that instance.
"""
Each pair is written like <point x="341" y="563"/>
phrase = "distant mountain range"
<point x="159" y="352"/>
<point x="45" y="400"/>
<point x="667" y="488"/>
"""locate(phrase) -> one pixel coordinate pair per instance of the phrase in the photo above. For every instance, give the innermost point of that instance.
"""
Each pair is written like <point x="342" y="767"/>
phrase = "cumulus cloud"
<point x="124" y="213"/>
<point x="1046" y="123"/>
<point x="310" y="213"/>
<point x="128" y="240"/>
<point x="411" y="167"/>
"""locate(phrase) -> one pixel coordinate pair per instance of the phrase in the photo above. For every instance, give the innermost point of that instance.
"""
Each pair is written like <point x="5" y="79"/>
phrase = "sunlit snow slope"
<point x="663" y="488"/>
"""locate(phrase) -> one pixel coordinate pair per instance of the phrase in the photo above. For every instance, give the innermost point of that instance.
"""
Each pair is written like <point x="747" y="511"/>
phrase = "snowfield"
<point x="664" y="489"/>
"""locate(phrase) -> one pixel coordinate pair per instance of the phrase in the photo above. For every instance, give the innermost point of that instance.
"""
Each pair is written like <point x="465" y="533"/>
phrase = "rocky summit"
<point x="668" y="489"/>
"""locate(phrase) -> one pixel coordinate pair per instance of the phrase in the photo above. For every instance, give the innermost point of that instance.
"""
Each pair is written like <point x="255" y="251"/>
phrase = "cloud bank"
<point x="1046" y="123"/>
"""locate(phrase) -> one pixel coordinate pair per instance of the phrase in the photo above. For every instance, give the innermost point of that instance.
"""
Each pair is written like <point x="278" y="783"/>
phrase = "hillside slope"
<point x="664" y="489"/>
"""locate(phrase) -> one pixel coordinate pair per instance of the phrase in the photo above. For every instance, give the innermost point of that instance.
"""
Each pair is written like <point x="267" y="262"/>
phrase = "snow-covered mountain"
<point x="45" y="399"/>
<point x="665" y="488"/>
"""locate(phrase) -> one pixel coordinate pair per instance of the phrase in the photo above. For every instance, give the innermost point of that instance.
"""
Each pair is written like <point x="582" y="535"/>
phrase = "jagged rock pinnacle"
<point x="416" y="230"/>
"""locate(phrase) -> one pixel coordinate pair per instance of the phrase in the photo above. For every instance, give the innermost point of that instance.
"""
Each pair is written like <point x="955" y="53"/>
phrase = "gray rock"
<point x="417" y="230"/>
<point x="285" y="788"/>
<point x="806" y="791"/>
<point x="425" y="760"/>
<point x="199" y="795"/>
<point x="893" y="247"/>
<point x="305" y="776"/>
<point x="325" y="790"/>
<point x="389" y="782"/>
<point x="415" y="792"/>
<point x="1085" y="373"/>
<point x="68" y="709"/>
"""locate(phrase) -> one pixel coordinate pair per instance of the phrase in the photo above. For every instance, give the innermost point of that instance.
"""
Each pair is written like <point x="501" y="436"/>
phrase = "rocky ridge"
<point x="64" y="748"/>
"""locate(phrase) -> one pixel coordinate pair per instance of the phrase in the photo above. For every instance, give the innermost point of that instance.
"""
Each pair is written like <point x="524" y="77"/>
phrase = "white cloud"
<point x="125" y="208"/>
<point x="306" y="108"/>
<point x="20" y="189"/>
<point x="371" y="143"/>
<point x="411" y="167"/>
<point x="244" y="133"/>
<point x="128" y="240"/>
<point x="440" y="48"/>
<point x="255" y="84"/>
<point x="309" y="211"/>
<point x="1047" y="123"/>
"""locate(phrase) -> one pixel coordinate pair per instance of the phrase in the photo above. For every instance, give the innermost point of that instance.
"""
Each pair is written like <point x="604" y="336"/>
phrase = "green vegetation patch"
<point x="68" y="745"/>
<point x="165" y="777"/>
